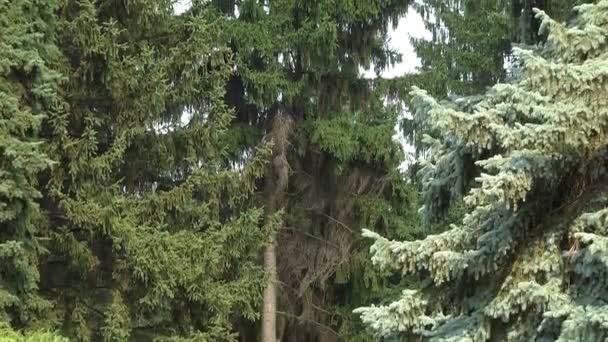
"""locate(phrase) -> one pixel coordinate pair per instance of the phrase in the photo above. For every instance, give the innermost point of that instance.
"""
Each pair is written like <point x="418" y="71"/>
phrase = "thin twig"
<point x="339" y="223"/>
<point x="320" y="309"/>
<point x="342" y="224"/>
<point x="312" y="236"/>
<point x="309" y="321"/>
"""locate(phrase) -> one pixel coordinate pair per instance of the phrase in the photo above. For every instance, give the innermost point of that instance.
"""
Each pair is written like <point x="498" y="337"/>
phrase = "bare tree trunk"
<point x="277" y="177"/>
<point x="269" y="311"/>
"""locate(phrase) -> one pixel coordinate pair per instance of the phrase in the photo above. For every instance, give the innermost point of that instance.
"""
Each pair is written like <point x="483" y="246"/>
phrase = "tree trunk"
<point x="277" y="177"/>
<point x="269" y="312"/>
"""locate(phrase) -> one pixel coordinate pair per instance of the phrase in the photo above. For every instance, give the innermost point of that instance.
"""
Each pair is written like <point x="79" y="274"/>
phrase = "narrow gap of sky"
<point x="181" y="6"/>
<point x="410" y="26"/>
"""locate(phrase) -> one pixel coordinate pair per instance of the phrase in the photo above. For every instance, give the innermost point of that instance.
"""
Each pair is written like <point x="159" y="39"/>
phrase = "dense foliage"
<point x="137" y="144"/>
<point x="527" y="262"/>
<point x="297" y="83"/>
<point x="205" y="175"/>
<point x="469" y="50"/>
<point x="115" y="213"/>
<point x="28" y="90"/>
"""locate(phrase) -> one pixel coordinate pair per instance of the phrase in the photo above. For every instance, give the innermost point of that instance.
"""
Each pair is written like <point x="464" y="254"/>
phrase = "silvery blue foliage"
<point x="529" y="260"/>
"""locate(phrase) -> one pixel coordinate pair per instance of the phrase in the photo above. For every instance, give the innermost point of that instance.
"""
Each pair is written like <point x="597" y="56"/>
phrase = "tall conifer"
<point x="333" y="169"/>
<point x="527" y="262"/>
<point x="29" y="90"/>
<point x="124" y="235"/>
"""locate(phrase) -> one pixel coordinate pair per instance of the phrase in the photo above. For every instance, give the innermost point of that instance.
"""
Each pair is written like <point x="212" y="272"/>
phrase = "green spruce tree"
<point x="469" y="45"/>
<point x="28" y="94"/>
<point x="120" y="218"/>
<point x="527" y="262"/>
<point x="333" y="166"/>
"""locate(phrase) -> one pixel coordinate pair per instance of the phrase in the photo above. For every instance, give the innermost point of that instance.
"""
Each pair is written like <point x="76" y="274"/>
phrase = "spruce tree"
<point x="469" y="50"/>
<point x="333" y="168"/>
<point x="120" y="218"/>
<point x="469" y="45"/>
<point x="28" y="93"/>
<point x="527" y="262"/>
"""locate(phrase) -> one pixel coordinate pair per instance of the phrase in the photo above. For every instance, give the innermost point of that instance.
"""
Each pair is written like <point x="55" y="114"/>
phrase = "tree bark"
<point x="277" y="177"/>
<point x="269" y="312"/>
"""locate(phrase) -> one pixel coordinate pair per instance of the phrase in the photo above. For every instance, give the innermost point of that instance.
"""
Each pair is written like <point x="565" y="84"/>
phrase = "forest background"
<point x="222" y="172"/>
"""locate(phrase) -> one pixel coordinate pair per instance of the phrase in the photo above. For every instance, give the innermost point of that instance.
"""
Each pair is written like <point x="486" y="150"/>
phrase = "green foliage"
<point x="303" y="58"/>
<point x="28" y="93"/>
<point x="9" y="335"/>
<point x="527" y="262"/>
<point x="468" y="51"/>
<point x="469" y="45"/>
<point x="358" y="136"/>
<point x="116" y="227"/>
<point x="116" y="214"/>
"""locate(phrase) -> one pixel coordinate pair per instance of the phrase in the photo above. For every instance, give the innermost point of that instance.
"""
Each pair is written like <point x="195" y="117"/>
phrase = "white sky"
<point x="180" y="6"/>
<point x="410" y="26"/>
